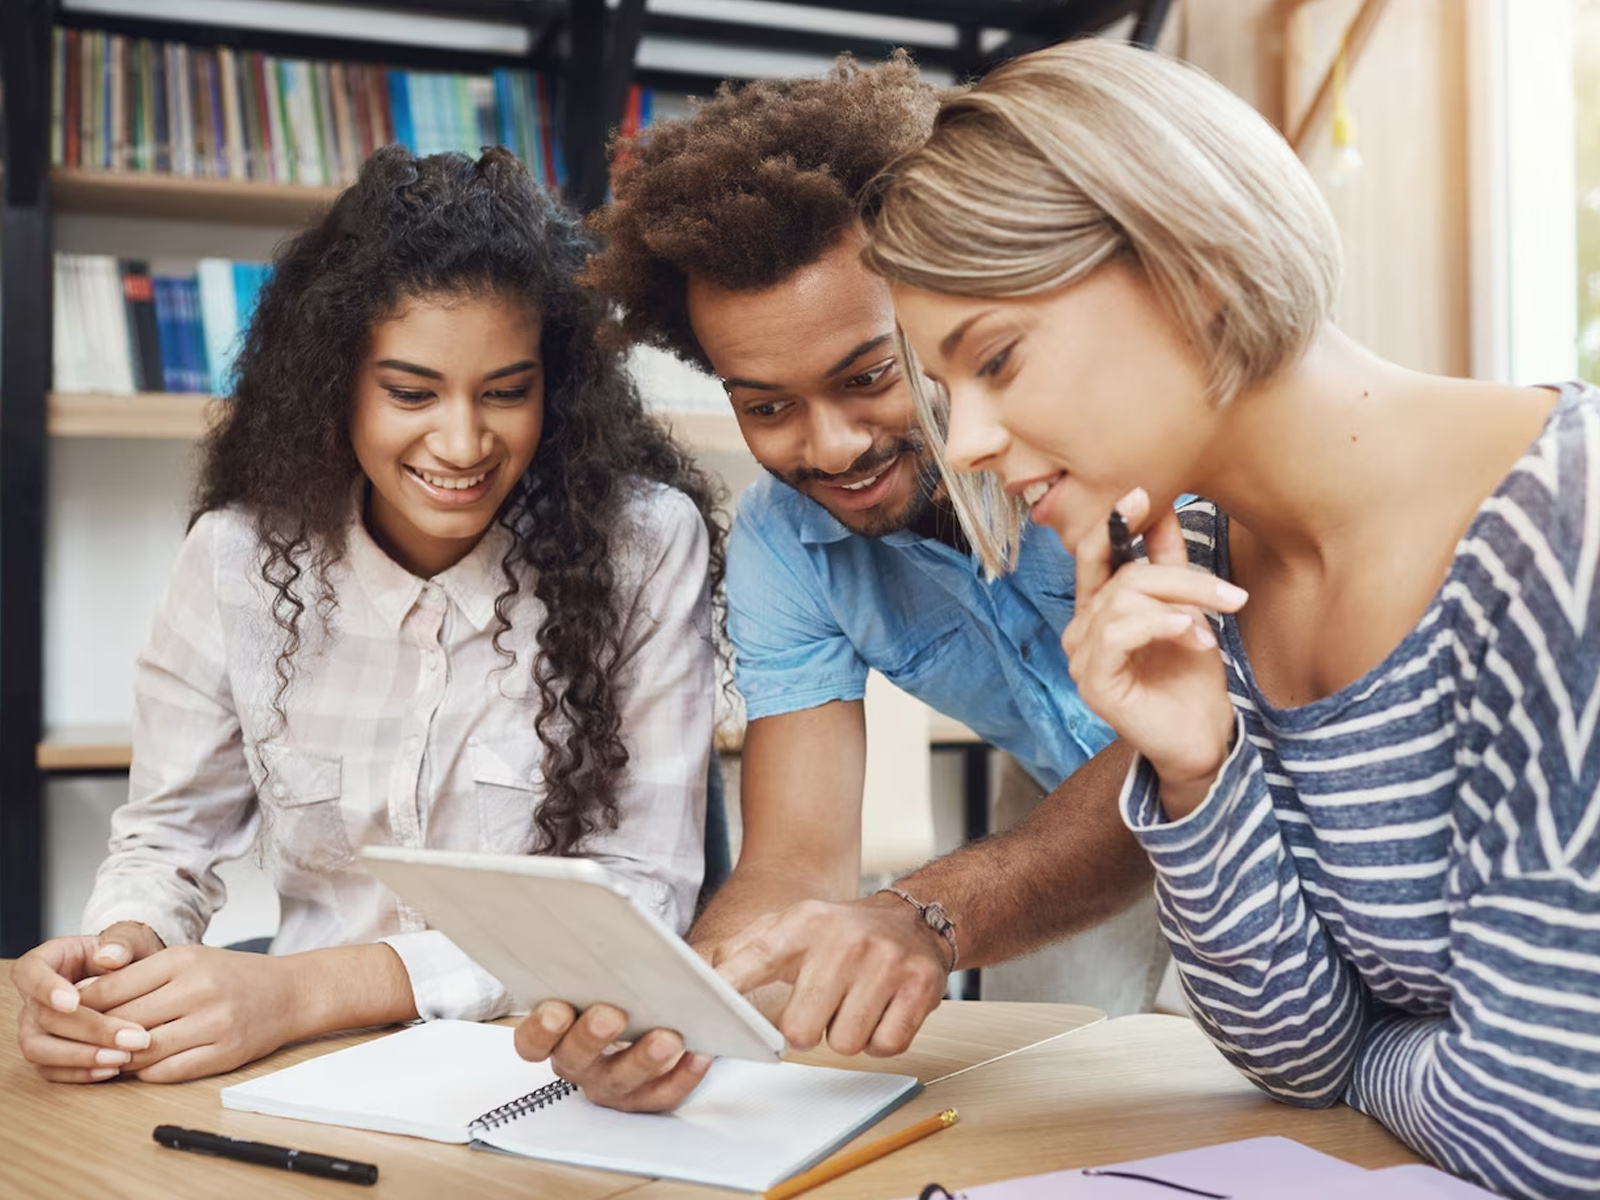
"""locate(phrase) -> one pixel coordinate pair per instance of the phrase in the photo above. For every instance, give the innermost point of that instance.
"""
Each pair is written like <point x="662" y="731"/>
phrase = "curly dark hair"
<point x="445" y="225"/>
<point x="761" y="181"/>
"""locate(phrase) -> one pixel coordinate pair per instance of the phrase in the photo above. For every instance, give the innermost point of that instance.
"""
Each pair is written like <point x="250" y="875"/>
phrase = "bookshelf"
<point x="594" y="51"/>
<point x="184" y="415"/>
<point x="135" y="194"/>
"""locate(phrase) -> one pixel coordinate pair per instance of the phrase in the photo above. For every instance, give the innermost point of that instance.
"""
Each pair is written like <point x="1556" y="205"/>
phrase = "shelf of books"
<point x="173" y="197"/>
<point x="184" y="416"/>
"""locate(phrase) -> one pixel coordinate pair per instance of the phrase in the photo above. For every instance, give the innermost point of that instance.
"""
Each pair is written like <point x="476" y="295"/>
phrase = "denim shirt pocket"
<point x="300" y="796"/>
<point x="508" y="781"/>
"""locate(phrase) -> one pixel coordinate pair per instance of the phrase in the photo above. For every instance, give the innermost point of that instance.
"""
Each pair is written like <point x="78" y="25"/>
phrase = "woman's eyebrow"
<point x="515" y="368"/>
<point x="409" y="368"/>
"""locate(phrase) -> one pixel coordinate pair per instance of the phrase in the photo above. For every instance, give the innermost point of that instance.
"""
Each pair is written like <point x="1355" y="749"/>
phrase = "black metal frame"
<point x="25" y="280"/>
<point x="593" y="49"/>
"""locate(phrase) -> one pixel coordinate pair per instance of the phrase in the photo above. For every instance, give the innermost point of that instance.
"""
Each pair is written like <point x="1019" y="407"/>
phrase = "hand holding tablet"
<point x="562" y="929"/>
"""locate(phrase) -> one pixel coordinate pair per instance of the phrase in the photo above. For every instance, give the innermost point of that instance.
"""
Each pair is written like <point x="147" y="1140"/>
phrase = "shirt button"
<point x="1027" y="651"/>
<point x="280" y="791"/>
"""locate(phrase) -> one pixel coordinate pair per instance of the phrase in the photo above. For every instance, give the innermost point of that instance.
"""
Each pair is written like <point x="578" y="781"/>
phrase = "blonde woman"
<point x="1368" y="786"/>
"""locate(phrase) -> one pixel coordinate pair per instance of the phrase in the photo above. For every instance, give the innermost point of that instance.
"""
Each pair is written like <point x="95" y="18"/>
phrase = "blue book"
<point x="194" y="335"/>
<point x="400" y="109"/>
<point x="248" y="280"/>
<point x="167" y="333"/>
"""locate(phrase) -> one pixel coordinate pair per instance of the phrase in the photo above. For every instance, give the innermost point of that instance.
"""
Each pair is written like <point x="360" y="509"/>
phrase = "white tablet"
<point x="562" y="929"/>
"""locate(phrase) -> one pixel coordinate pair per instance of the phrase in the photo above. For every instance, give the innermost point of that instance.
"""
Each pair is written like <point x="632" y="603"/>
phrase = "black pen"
<point x="1121" y="540"/>
<point x="262" y="1154"/>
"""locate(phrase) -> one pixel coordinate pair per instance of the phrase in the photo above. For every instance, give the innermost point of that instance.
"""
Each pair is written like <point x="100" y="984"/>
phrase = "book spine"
<point x="74" y="149"/>
<point x="205" y="116"/>
<point x="219" y="321"/>
<point x="486" y="120"/>
<point x="282" y="170"/>
<point x="139" y="301"/>
<point x="400" y="107"/>
<point x="381" y="107"/>
<point x="528" y="118"/>
<point x="58" y="96"/>
<point x="249" y="117"/>
<point x="262" y="71"/>
<point x="327" y="125"/>
<point x="148" y="345"/>
<point x="167" y="334"/>
<point x="219" y="119"/>
<point x="232" y="115"/>
<point x="308" y="140"/>
<point x="63" y="328"/>
<point x="344" y="122"/>
<point x="116" y="348"/>
<point x="149" y="55"/>
<point x="183" y="117"/>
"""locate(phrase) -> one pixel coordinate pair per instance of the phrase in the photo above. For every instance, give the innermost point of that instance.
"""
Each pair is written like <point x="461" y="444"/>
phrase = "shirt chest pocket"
<point x="301" y="801"/>
<point x="508" y="783"/>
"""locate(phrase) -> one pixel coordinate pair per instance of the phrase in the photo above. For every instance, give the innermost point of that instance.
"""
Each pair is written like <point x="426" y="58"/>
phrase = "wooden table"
<point x="1123" y="1089"/>
<point x="92" y="1142"/>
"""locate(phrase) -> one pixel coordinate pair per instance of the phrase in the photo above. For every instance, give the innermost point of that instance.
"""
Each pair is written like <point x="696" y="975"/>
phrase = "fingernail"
<point x="1203" y="635"/>
<point x="116" y="954"/>
<point x="112" y="1058"/>
<point x="1231" y="595"/>
<point x="64" y="1000"/>
<point x="103" y="1073"/>
<point x="550" y="1020"/>
<point x="662" y="1051"/>
<point x="133" y="1039"/>
<point x="608" y="1024"/>
<point x="1133" y="501"/>
<point x="699" y="1063"/>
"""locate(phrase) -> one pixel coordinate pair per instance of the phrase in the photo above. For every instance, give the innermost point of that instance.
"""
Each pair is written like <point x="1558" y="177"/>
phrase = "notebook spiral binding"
<point x="532" y="1102"/>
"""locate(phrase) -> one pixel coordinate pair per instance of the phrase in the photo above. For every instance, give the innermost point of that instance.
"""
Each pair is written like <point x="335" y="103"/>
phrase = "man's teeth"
<point x="1034" y="492"/>
<point x="856" y="487"/>
<point x="448" y="484"/>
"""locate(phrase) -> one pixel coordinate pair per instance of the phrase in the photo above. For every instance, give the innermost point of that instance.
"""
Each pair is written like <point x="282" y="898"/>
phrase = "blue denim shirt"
<point x="812" y="606"/>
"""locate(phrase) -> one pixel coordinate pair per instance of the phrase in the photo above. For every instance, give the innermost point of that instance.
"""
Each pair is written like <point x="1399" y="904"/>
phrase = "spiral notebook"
<point x="747" y="1126"/>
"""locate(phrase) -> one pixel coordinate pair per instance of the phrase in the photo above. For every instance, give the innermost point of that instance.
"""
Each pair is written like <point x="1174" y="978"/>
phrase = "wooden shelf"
<point x="182" y="416"/>
<point x="134" y="194"/>
<point x="175" y="415"/>
<point x="109" y="748"/>
<point x="86" y="748"/>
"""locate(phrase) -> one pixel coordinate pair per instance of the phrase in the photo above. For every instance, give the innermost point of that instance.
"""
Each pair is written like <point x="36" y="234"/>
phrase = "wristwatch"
<point x="936" y="919"/>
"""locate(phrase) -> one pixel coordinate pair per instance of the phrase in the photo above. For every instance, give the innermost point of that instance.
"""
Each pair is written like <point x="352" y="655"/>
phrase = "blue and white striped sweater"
<point x="1392" y="895"/>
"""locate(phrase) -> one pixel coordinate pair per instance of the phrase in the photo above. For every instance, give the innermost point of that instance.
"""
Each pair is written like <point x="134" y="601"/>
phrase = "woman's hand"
<point x="207" y="1010"/>
<point x="1144" y="657"/>
<point x="68" y="1041"/>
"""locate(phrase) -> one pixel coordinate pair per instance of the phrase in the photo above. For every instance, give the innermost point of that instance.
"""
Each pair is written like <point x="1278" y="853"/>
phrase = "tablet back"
<point x="560" y="928"/>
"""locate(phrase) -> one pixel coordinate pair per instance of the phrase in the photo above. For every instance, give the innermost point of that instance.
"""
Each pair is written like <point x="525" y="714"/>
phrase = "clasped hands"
<point x="864" y="974"/>
<point x="123" y="1003"/>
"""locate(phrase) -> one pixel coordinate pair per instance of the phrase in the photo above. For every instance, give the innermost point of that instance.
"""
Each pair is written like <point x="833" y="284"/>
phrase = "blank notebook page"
<point x="747" y="1126"/>
<point x="426" y="1081"/>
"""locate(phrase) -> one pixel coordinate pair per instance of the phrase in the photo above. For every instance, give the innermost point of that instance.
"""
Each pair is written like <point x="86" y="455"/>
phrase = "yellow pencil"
<point x="839" y="1164"/>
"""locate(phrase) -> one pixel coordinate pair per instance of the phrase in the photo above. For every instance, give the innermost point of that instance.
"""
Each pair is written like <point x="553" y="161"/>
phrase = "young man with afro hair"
<point x="732" y="244"/>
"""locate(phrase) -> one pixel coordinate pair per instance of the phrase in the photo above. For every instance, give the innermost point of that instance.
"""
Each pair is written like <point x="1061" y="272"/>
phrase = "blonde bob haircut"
<point x="1066" y="158"/>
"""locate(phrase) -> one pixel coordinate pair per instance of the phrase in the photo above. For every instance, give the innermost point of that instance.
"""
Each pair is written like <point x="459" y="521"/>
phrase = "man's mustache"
<point x="867" y="464"/>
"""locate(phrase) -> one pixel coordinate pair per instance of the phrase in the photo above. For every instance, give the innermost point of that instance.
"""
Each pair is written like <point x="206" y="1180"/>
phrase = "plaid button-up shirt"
<point x="404" y="726"/>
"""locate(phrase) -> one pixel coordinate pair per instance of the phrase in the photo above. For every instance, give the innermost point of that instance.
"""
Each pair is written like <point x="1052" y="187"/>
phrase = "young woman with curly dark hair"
<point x="446" y="585"/>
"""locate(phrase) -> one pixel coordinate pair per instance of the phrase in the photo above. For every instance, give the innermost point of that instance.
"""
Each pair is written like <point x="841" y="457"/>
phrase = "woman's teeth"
<point x="1034" y="492"/>
<point x="449" y="484"/>
<point x="865" y="483"/>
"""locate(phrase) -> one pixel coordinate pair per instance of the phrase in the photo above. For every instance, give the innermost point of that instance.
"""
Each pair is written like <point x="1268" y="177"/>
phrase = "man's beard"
<point x="876" y="523"/>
